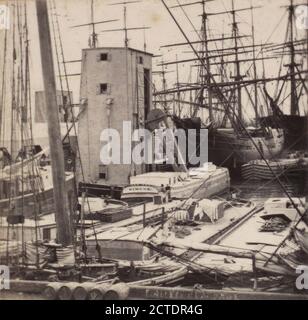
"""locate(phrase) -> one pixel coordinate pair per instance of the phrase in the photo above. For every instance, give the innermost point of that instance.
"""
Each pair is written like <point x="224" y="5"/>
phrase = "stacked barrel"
<point x="86" y="291"/>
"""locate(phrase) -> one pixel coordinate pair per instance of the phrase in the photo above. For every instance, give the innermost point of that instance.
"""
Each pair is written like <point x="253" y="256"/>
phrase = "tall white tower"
<point x="115" y="87"/>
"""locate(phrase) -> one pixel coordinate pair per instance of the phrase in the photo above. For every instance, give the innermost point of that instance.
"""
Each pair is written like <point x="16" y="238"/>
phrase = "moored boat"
<point x="227" y="147"/>
<point x="200" y="182"/>
<point x="106" y="210"/>
<point x="27" y="194"/>
<point x="267" y="170"/>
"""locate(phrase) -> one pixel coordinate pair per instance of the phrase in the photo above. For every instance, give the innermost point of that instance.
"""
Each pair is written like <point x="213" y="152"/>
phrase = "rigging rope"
<point x="70" y="105"/>
<point x="223" y="99"/>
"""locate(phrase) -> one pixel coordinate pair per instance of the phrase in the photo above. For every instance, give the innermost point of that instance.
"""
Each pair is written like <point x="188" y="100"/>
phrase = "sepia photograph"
<point x="154" y="150"/>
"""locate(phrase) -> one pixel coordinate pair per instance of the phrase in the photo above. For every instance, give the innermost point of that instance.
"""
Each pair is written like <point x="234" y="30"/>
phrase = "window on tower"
<point x="103" y="88"/>
<point x="46" y="234"/>
<point x="104" y="56"/>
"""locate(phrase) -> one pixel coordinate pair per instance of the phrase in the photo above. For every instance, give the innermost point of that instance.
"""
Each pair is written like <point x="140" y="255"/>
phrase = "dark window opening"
<point x="104" y="56"/>
<point x="140" y="60"/>
<point x="103" y="88"/>
<point x="103" y="176"/>
<point x="103" y="172"/>
<point x="46" y="234"/>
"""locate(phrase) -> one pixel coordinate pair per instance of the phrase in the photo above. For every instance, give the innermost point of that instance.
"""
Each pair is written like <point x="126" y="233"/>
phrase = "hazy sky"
<point x="163" y="30"/>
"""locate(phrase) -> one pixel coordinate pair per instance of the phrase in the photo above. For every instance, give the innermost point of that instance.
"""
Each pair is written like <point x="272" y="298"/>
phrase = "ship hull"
<point x="225" y="148"/>
<point x="260" y="170"/>
<point x="203" y="186"/>
<point x="295" y="127"/>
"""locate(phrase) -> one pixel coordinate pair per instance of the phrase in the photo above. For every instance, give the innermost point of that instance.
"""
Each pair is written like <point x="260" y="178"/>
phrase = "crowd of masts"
<point x="215" y="62"/>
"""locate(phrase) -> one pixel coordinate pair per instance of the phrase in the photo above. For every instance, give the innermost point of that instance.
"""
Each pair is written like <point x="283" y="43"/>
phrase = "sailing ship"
<point x="34" y="184"/>
<point x="293" y="52"/>
<point x="231" y="141"/>
<point x="30" y="241"/>
<point x="26" y="186"/>
<point x="164" y="245"/>
<point x="20" y="178"/>
<point x="235" y="149"/>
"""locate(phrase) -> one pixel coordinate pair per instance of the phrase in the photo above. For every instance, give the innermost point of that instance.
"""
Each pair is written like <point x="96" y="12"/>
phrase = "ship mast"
<point x="164" y="81"/>
<point x="204" y="75"/>
<point x="64" y="231"/>
<point x="93" y="41"/>
<point x="207" y="59"/>
<point x="292" y="65"/>
<point x="306" y="180"/>
<point x="237" y="76"/>
<point x="254" y="66"/>
<point x="307" y="68"/>
<point x="2" y="100"/>
<point x="125" y="27"/>
<point x="178" y="93"/>
<point x="94" y="35"/>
